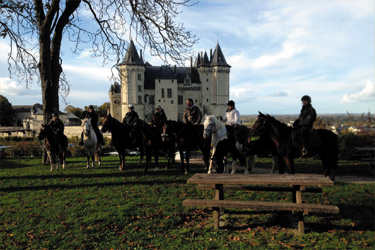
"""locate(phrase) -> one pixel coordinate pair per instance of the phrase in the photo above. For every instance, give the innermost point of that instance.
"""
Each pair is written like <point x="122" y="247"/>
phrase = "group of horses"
<point x="275" y="138"/>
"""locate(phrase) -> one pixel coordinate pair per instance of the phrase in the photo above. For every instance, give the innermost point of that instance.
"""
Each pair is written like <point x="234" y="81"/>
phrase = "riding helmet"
<point x="231" y="103"/>
<point x="306" y="98"/>
<point x="131" y="106"/>
<point x="91" y="107"/>
<point x="55" y="114"/>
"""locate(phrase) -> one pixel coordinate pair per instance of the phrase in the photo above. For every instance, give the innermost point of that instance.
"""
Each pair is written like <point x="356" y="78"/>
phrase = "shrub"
<point x="77" y="151"/>
<point x="24" y="148"/>
<point x="348" y="143"/>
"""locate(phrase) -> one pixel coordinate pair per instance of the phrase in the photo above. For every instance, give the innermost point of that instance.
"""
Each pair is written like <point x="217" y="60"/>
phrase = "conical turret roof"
<point x="132" y="57"/>
<point x="218" y="58"/>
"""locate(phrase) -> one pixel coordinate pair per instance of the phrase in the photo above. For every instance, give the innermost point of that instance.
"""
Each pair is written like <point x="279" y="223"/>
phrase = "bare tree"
<point x="36" y="29"/>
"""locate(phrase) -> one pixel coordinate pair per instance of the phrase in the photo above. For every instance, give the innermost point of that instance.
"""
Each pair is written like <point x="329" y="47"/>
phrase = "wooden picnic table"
<point x="296" y="184"/>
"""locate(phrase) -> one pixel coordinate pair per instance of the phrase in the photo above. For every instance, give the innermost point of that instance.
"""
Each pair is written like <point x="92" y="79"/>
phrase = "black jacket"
<point x="193" y="115"/>
<point x="306" y="118"/>
<point x="130" y="118"/>
<point x="94" y="118"/>
<point x="57" y="126"/>
<point x="158" y="119"/>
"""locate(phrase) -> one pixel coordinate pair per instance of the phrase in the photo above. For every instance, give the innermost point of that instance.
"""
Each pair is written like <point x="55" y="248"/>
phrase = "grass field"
<point x="103" y="208"/>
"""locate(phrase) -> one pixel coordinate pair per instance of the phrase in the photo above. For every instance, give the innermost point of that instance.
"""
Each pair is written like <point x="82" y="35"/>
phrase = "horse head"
<point x="259" y="126"/>
<point x="87" y="128"/>
<point x="209" y="126"/>
<point x="44" y="132"/>
<point x="107" y="123"/>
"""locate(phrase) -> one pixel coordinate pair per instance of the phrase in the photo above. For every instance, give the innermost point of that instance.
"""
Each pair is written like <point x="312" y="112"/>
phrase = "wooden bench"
<point x="258" y="188"/>
<point x="301" y="208"/>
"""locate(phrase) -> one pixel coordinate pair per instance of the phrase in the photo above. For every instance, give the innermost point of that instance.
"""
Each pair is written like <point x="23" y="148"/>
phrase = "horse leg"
<point x="121" y="155"/>
<point x="148" y="158"/>
<point x="187" y="161"/>
<point x="251" y="162"/>
<point x="181" y="152"/>
<point x="211" y="160"/>
<point x="88" y="160"/>
<point x="330" y="166"/>
<point x="93" y="158"/>
<point x="63" y="158"/>
<point x="281" y="164"/>
<point x="156" y="158"/>
<point x="142" y="153"/>
<point x="275" y="164"/>
<point x="289" y="162"/>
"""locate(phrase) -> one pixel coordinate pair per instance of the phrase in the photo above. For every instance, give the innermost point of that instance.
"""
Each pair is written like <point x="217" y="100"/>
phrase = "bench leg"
<point x="301" y="225"/>
<point x="219" y="195"/>
<point x="216" y="218"/>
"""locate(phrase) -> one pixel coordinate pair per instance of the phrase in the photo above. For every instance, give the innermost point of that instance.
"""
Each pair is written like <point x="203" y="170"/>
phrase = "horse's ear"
<point x="109" y="115"/>
<point x="260" y="113"/>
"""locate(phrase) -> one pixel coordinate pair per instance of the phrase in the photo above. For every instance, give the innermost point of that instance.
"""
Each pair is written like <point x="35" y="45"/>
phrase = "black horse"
<point x="282" y="136"/>
<point x="56" y="146"/>
<point x="120" y="136"/>
<point x="148" y="139"/>
<point x="188" y="137"/>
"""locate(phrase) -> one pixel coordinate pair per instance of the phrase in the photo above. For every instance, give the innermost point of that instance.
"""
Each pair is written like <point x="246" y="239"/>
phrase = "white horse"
<point x="218" y="132"/>
<point x="90" y="142"/>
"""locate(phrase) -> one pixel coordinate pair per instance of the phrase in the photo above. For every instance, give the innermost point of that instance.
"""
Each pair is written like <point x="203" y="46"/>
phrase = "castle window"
<point x="139" y="88"/>
<point x="207" y="81"/>
<point x="151" y="99"/>
<point x="207" y="99"/>
<point x="139" y="77"/>
<point x="172" y="81"/>
<point x="196" y="101"/>
<point x="159" y="80"/>
<point x="169" y="93"/>
<point x="180" y="100"/>
<point x="187" y="81"/>
<point x="115" y="102"/>
<point x="162" y="93"/>
<point x="139" y="99"/>
<point x="207" y="88"/>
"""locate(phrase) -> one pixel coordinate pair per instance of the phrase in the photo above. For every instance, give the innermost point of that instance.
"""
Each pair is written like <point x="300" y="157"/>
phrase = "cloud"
<point x="279" y="94"/>
<point x="96" y="73"/>
<point x="367" y="94"/>
<point x="9" y="87"/>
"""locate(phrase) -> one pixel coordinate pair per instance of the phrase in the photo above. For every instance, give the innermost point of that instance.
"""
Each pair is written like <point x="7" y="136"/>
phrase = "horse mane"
<point x="280" y="127"/>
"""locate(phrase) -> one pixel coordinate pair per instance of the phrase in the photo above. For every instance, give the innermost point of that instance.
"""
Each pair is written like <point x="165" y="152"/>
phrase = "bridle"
<point x="211" y="128"/>
<point x="262" y="127"/>
<point x="85" y="131"/>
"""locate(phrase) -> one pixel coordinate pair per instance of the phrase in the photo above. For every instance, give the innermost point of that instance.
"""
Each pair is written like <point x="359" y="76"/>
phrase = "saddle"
<point x="62" y="140"/>
<point x="313" y="139"/>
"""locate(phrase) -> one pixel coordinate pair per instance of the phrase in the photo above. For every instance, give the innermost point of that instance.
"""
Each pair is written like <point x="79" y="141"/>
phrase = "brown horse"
<point x="55" y="147"/>
<point x="188" y="137"/>
<point x="148" y="139"/>
<point x="120" y="136"/>
<point x="281" y="135"/>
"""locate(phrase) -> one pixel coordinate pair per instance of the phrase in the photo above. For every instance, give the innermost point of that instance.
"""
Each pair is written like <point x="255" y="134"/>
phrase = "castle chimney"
<point x="210" y="55"/>
<point x="140" y="52"/>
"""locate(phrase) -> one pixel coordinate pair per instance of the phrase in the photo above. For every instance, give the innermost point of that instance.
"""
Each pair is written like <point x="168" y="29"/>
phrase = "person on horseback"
<point x="58" y="129"/>
<point x="192" y="113"/>
<point x="304" y="123"/>
<point x="130" y="117"/>
<point x="158" y="119"/>
<point x="94" y="124"/>
<point x="232" y="118"/>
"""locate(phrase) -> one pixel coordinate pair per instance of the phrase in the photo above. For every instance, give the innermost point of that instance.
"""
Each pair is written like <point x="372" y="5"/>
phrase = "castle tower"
<point x="219" y="82"/>
<point x="205" y="74"/>
<point x="115" y="101"/>
<point x="132" y="76"/>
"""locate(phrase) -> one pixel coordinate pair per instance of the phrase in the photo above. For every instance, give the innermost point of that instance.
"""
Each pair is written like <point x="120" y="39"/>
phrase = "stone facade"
<point x="145" y="86"/>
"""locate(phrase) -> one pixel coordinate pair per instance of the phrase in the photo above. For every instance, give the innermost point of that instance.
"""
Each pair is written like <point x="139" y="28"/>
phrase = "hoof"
<point x="87" y="166"/>
<point x="99" y="163"/>
<point x="120" y="168"/>
<point x="156" y="169"/>
<point x="186" y="172"/>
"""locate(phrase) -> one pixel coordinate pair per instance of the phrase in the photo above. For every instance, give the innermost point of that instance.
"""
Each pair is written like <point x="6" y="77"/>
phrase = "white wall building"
<point x="146" y="86"/>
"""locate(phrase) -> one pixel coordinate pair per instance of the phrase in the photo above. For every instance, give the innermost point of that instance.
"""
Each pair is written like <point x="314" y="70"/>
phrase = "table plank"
<point x="261" y="179"/>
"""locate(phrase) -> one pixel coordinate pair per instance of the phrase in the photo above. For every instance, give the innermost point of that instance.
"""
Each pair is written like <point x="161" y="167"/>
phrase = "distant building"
<point x="146" y="86"/>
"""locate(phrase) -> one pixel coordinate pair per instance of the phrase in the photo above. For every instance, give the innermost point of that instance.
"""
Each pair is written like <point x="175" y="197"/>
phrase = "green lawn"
<point x="103" y="208"/>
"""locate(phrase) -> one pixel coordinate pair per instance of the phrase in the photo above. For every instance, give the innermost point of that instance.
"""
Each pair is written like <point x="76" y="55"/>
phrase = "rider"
<point x="130" y="117"/>
<point x="232" y="118"/>
<point x="305" y="121"/>
<point x="58" y="128"/>
<point x="159" y="118"/>
<point x="192" y="113"/>
<point x="94" y="124"/>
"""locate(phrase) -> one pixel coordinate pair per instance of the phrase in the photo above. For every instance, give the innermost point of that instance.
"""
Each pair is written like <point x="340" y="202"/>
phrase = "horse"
<point x="222" y="145"/>
<point x="148" y="140"/>
<point x="187" y="136"/>
<point x="54" y="148"/>
<point x="282" y="136"/>
<point x="120" y="137"/>
<point x="265" y="146"/>
<point x="91" y="144"/>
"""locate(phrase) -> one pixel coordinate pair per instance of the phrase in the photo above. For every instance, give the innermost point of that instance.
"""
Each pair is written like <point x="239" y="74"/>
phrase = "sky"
<point x="278" y="52"/>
